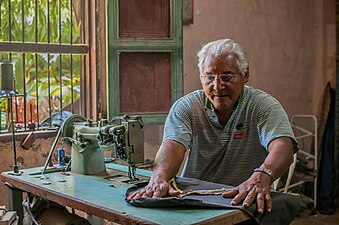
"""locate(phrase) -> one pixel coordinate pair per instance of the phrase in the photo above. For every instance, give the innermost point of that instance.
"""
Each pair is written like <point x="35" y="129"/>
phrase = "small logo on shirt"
<point x="238" y="135"/>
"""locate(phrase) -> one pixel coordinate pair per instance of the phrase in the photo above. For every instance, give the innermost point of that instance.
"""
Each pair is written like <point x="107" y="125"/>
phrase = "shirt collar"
<point x="209" y="105"/>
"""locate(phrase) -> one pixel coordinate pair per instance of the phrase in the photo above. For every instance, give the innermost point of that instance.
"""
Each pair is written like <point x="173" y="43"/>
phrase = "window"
<point x="46" y="41"/>
<point x="144" y="57"/>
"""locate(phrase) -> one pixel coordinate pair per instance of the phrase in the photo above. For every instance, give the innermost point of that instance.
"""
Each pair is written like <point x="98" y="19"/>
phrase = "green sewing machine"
<point x="88" y="139"/>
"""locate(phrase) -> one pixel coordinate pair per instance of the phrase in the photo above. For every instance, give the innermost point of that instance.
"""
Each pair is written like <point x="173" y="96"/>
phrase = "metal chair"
<point x="289" y="177"/>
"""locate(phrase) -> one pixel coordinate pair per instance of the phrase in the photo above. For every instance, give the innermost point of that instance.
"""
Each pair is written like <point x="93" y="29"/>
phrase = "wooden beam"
<point x="100" y="19"/>
<point x="7" y="47"/>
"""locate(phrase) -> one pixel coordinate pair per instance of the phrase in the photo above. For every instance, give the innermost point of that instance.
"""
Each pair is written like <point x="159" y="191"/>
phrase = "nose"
<point x="217" y="83"/>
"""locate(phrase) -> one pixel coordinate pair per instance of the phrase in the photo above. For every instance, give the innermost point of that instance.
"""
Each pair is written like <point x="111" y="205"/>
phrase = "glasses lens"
<point x="209" y="78"/>
<point x="226" y="77"/>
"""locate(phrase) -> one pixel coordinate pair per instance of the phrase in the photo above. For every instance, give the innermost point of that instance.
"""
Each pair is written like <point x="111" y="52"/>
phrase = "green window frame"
<point x="116" y="45"/>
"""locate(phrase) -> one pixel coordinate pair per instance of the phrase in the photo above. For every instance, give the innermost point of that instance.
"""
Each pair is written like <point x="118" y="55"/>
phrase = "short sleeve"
<point x="273" y="123"/>
<point x="178" y="125"/>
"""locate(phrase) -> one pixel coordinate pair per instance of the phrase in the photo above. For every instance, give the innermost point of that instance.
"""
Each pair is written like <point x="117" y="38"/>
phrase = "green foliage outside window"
<point x="47" y="78"/>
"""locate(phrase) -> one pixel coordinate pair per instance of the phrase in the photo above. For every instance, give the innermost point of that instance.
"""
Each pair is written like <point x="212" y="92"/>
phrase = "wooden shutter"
<point x="144" y="57"/>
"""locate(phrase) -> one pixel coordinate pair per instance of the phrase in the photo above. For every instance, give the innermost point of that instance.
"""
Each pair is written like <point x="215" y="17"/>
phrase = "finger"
<point x="135" y="195"/>
<point x="145" y="195"/>
<point x="161" y="191"/>
<point x="239" y="197"/>
<point x="148" y="194"/>
<point x="174" y="192"/>
<point x="260" y="202"/>
<point x="249" y="198"/>
<point x="268" y="201"/>
<point x="131" y="196"/>
<point x="230" y="193"/>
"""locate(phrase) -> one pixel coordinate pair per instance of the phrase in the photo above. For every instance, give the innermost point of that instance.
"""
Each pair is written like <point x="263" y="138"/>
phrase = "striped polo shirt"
<point x="226" y="154"/>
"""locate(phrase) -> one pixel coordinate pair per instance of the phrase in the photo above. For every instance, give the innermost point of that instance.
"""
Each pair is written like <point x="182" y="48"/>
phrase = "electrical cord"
<point x="27" y="206"/>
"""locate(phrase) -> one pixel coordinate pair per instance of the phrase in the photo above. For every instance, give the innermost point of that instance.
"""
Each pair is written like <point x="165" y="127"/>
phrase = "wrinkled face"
<point x="222" y="81"/>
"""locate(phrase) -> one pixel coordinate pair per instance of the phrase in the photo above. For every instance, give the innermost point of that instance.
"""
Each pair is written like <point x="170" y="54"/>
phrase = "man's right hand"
<point x="167" y="165"/>
<point x="156" y="188"/>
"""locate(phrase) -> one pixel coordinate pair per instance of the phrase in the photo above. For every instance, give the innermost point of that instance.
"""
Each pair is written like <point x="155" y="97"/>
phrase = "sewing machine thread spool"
<point x="6" y="73"/>
<point x="61" y="156"/>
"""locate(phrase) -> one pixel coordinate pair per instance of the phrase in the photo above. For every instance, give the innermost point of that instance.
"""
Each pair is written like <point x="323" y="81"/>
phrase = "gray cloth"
<point x="285" y="206"/>
<point x="226" y="154"/>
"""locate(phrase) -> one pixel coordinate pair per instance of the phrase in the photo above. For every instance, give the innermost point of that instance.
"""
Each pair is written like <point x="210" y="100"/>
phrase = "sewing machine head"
<point x="123" y="135"/>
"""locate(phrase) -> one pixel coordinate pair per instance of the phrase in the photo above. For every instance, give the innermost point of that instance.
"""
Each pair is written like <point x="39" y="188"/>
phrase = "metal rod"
<point x="60" y="55"/>
<point x="16" y="101"/>
<point x="36" y="20"/>
<point x="22" y="21"/>
<point x="72" y="96"/>
<point x="48" y="65"/>
<point x="24" y="89"/>
<point x="59" y="18"/>
<point x="48" y="24"/>
<point x="52" y="150"/>
<point x="49" y="91"/>
<point x="0" y="19"/>
<point x="71" y="9"/>
<point x="60" y="77"/>
<point x="68" y="165"/>
<point x="9" y="21"/>
<point x="0" y="119"/>
<point x="15" y="167"/>
<point x="10" y="26"/>
<point x="71" y="42"/>
<point x="37" y="89"/>
<point x="36" y="65"/>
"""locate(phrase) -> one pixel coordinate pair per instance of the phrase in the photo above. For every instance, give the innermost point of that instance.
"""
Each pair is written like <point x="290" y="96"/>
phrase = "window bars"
<point x="45" y="41"/>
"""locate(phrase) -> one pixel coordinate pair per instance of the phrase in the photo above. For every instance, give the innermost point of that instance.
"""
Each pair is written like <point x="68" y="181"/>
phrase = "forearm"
<point x="168" y="160"/>
<point x="280" y="157"/>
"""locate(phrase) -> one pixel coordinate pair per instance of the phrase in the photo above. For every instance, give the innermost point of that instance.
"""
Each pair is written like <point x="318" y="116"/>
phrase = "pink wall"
<point x="290" y="46"/>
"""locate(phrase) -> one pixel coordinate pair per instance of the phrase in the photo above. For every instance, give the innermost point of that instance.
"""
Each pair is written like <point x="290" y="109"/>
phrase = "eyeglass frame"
<point x="229" y="79"/>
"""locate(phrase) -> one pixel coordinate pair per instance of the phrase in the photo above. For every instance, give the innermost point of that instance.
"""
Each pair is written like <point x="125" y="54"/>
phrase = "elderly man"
<point x="235" y="134"/>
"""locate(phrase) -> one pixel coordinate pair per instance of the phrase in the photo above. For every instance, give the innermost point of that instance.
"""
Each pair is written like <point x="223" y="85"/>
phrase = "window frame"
<point x="92" y="52"/>
<point x="116" y="45"/>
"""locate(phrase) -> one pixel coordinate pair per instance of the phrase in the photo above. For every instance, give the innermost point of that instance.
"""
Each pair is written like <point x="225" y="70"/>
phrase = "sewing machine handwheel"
<point x="67" y="126"/>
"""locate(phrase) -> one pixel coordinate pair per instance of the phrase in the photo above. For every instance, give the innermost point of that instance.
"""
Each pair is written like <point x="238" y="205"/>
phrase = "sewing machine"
<point x="122" y="135"/>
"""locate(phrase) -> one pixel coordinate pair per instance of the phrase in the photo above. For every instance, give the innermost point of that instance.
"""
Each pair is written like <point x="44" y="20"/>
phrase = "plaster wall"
<point x="26" y="158"/>
<point x="290" y="46"/>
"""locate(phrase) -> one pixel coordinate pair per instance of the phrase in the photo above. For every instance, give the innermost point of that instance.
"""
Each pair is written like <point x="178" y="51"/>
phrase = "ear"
<point x="247" y="74"/>
<point x="201" y="79"/>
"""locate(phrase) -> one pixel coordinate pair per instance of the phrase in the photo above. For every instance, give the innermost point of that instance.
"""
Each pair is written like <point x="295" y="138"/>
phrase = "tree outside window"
<point x="50" y="81"/>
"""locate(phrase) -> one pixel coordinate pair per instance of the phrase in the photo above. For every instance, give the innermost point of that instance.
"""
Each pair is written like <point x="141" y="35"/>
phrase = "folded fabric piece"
<point x="285" y="206"/>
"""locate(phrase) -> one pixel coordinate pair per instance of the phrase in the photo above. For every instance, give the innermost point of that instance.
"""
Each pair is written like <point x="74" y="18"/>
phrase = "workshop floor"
<point x="318" y="219"/>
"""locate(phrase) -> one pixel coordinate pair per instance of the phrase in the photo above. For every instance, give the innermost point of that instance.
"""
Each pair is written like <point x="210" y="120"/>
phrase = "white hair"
<point x="223" y="47"/>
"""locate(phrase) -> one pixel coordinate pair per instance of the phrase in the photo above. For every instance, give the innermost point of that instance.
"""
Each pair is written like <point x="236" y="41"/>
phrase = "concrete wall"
<point x="290" y="45"/>
<point x="26" y="158"/>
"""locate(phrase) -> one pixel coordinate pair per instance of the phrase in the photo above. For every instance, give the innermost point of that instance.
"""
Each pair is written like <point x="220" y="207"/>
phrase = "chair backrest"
<point x="289" y="177"/>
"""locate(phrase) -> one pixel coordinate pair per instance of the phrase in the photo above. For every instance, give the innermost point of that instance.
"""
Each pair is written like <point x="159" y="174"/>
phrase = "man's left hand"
<point x="256" y="188"/>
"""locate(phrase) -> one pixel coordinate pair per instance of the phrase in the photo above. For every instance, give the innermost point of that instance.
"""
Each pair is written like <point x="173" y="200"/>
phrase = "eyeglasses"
<point x="224" y="78"/>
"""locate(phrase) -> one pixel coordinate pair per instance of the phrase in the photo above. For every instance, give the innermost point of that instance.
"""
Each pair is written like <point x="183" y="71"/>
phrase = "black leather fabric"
<point x="285" y="206"/>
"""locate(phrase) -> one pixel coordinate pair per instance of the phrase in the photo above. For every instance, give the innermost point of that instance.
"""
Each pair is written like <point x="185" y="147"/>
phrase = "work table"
<point x="104" y="196"/>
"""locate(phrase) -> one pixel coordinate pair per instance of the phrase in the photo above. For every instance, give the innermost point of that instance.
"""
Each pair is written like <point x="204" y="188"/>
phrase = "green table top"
<point x="103" y="196"/>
